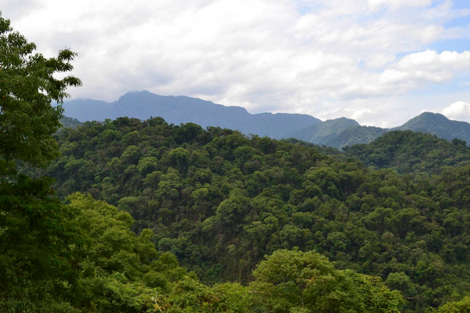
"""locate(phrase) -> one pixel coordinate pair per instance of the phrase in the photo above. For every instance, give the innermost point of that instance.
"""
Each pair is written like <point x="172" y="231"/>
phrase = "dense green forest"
<point x="220" y="201"/>
<point x="411" y="152"/>
<point x="146" y="216"/>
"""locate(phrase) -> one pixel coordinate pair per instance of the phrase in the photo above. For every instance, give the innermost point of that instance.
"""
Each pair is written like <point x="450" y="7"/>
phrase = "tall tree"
<point x="39" y="244"/>
<point x="27" y="89"/>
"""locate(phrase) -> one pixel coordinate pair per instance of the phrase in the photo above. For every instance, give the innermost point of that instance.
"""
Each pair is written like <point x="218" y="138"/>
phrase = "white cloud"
<point x="335" y="59"/>
<point x="395" y="4"/>
<point x="432" y="61"/>
<point x="459" y="111"/>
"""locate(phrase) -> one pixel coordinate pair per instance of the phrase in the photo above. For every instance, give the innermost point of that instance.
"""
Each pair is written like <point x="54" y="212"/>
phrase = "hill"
<point x="430" y="123"/>
<point x="411" y="152"/>
<point x="439" y="125"/>
<point x="221" y="201"/>
<point x="177" y="110"/>
<point x="324" y="132"/>
<point x="356" y="135"/>
<point x="70" y="122"/>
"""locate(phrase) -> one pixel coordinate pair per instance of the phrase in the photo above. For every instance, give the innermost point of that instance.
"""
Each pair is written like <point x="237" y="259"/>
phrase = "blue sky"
<point x="380" y="62"/>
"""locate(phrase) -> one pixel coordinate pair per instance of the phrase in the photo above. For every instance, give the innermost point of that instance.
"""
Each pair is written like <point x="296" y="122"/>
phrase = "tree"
<point x="462" y="306"/>
<point x="295" y="281"/>
<point x="27" y="88"/>
<point x="39" y="243"/>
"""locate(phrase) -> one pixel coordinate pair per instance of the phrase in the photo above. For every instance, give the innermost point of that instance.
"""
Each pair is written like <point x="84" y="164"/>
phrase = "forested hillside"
<point x="356" y="135"/>
<point x="221" y="201"/>
<point x="323" y="133"/>
<point x="439" y="125"/>
<point x="410" y="152"/>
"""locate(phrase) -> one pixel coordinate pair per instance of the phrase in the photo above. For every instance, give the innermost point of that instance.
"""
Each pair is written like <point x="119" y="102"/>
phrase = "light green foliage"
<point x="462" y="306"/>
<point x="120" y="271"/>
<point x="294" y="281"/>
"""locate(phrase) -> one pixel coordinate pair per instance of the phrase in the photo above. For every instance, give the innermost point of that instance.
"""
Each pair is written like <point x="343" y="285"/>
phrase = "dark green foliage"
<point x="27" y="87"/>
<point x="409" y="152"/>
<point x="39" y="246"/>
<point x="220" y="201"/>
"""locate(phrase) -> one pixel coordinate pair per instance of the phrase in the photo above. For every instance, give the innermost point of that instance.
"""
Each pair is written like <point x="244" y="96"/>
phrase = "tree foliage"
<point x="220" y="201"/>
<point x="27" y="88"/>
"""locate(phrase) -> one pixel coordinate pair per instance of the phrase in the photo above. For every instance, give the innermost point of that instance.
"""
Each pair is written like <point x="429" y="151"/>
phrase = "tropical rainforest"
<point x="131" y="215"/>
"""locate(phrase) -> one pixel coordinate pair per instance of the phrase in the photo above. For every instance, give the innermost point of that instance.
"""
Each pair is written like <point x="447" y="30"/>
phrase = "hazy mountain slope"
<point x="439" y="125"/>
<point x="176" y="110"/>
<point x="322" y="133"/>
<point x="429" y="123"/>
<point x="88" y="110"/>
<point x="356" y="135"/>
<point x="70" y="122"/>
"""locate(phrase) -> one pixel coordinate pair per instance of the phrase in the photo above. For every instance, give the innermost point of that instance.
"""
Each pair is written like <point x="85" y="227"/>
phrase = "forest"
<point x="132" y="215"/>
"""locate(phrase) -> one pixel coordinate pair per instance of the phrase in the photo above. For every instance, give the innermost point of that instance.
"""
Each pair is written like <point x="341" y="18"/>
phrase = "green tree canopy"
<point x="295" y="281"/>
<point x="27" y="88"/>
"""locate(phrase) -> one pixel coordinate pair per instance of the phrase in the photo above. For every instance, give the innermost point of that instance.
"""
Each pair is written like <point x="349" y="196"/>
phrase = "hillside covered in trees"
<point x="411" y="152"/>
<point x="221" y="201"/>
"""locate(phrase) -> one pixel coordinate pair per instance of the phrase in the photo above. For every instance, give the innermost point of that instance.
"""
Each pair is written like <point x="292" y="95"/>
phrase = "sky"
<point x="380" y="62"/>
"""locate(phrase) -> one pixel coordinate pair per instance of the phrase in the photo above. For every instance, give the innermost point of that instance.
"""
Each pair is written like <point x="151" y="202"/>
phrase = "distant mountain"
<point x="176" y="110"/>
<point x="439" y="125"/>
<point x="429" y="123"/>
<point x="336" y="133"/>
<point x="356" y="135"/>
<point x="322" y="133"/>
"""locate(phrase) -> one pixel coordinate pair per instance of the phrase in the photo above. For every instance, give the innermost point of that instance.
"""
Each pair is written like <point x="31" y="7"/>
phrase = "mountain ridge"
<point x="182" y="109"/>
<point x="335" y="133"/>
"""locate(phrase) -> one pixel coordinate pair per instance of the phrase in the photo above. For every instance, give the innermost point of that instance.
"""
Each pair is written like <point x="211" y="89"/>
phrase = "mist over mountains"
<point x="335" y="133"/>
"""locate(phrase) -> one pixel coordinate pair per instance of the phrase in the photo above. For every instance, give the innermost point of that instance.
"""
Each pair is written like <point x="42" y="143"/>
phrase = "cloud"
<point x="16" y="11"/>
<point x="396" y="4"/>
<point x="433" y="61"/>
<point x="459" y="111"/>
<point x="331" y="58"/>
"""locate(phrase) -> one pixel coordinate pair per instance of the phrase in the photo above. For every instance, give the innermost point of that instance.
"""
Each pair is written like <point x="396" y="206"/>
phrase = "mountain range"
<point x="335" y="133"/>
